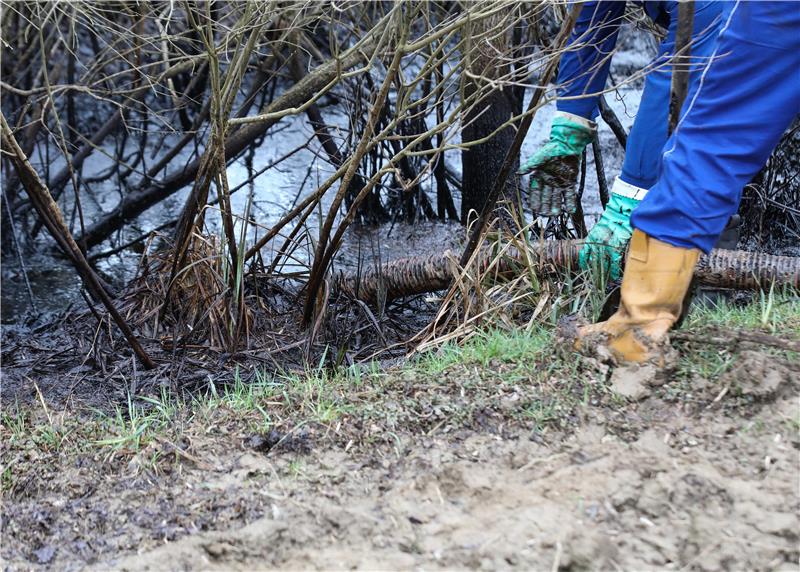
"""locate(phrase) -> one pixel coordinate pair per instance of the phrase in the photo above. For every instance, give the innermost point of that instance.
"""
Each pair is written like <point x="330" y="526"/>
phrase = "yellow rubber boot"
<point x="656" y="279"/>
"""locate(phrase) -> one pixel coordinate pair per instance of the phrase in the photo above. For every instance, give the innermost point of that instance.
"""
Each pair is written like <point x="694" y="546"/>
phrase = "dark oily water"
<point x="53" y="282"/>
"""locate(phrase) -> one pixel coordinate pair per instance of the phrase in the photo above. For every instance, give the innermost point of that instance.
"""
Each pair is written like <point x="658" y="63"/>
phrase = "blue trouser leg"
<point x="748" y="96"/>
<point x="584" y="66"/>
<point x="649" y="132"/>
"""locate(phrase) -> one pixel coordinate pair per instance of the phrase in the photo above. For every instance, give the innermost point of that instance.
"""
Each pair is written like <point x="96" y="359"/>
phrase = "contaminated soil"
<point x="548" y="463"/>
<point x="495" y="465"/>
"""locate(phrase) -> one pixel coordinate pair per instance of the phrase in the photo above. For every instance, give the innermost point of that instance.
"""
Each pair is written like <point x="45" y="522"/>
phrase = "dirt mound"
<point x="703" y="492"/>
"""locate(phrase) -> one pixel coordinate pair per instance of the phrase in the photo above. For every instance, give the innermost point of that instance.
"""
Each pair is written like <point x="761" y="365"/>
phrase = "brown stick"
<point x="323" y="253"/>
<point x="315" y="116"/>
<point x="50" y="213"/>
<point x="60" y="179"/>
<point x="681" y="61"/>
<point x="613" y="122"/>
<point x="726" y="337"/>
<point x="600" y="170"/>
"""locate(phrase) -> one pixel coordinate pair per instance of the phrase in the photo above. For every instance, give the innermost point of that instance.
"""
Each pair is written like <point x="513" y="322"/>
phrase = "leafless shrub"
<point x="170" y="93"/>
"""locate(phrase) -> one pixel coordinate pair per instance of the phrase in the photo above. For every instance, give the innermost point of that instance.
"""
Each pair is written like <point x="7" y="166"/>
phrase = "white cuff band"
<point x="588" y="123"/>
<point x="624" y="189"/>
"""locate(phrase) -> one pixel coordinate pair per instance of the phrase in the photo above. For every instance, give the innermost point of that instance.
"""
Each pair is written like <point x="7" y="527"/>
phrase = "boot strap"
<point x="638" y="246"/>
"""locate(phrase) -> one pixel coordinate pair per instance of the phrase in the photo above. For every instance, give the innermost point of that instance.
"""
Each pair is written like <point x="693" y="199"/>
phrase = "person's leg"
<point x="748" y="96"/>
<point x="650" y="128"/>
<point x="607" y="241"/>
<point x="746" y="99"/>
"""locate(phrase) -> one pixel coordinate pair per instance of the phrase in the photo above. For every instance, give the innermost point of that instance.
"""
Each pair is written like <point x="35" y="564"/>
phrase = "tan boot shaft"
<point x="656" y="279"/>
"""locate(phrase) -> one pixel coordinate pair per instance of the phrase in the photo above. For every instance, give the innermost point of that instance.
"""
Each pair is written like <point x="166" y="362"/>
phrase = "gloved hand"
<point x="554" y="167"/>
<point x="606" y="243"/>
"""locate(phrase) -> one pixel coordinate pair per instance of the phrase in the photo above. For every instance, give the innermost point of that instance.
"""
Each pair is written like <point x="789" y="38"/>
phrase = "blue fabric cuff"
<point x="586" y="107"/>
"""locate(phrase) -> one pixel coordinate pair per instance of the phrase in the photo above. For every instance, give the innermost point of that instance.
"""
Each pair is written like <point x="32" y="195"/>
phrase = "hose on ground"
<point x="402" y="277"/>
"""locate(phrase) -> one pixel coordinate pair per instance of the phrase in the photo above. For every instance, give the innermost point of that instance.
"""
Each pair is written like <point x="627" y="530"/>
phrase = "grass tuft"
<point x="775" y="312"/>
<point x="485" y="347"/>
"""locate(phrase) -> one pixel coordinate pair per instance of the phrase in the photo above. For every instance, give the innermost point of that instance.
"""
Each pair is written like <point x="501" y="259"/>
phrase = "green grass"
<point x="486" y="347"/>
<point x="296" y="469"/>
<point x="16" y="421"/>
<point x="313" y="396"/>
<point x="540" y="412"/>
<point x="46" y="434"/>
<point x="135" y="425"/>
<point x="775" y="312"/>
<point x="708" y="363"/>
<point x="549" y="387"/>
<point x="6" y="479"/>
<point x="794" y="423"/>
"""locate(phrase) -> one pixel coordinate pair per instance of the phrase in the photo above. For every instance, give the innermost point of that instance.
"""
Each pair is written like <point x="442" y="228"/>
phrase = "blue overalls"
<point x="584" y="71"/>
<point x="747" y="97"/>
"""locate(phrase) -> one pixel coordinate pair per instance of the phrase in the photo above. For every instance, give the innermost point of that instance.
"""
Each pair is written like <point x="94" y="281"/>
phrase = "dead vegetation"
<point x="770" y="218"/>
<point x="180" y="91"/>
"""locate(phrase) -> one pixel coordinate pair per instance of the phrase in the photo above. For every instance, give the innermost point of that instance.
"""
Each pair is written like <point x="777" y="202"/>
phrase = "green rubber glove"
<point x="554" y="167"/>
<point x="606" y="243"/>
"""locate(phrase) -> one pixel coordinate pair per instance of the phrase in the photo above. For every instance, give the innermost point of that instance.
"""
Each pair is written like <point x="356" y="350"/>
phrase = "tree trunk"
<point x="482" y="162"/>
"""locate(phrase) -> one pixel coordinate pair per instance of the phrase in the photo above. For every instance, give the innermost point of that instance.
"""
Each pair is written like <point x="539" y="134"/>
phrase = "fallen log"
<point x="420" y="274"/>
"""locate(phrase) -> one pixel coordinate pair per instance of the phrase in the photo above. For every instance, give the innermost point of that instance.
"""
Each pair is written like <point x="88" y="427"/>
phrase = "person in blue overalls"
<point x="581" y="79"/>
<point x="747" y="96"/>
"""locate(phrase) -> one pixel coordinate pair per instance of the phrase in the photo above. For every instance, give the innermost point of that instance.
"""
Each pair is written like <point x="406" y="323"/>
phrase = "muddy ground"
<point x="527" y="460"/>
